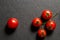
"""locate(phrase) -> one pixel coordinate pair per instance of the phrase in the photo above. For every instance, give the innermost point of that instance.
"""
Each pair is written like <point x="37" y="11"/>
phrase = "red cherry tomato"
<point x="37" y="22"/>
<point x="41" y="33"/>
<point x="12" y="23"/>
<point x="46" y="14"/>
<point x="50" y="25"/>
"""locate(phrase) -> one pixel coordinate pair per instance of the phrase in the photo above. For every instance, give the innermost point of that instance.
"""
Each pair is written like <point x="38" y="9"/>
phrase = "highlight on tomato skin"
<point x="37" y="22"/>
<point x="46" y="14"/>
<point x="50" y="25"/>
<point x="12" y="23"/>
<point x="42" y="33"/>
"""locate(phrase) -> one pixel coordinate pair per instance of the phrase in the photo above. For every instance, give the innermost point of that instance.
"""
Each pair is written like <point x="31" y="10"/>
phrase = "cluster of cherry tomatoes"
<point x="50" y="24"/>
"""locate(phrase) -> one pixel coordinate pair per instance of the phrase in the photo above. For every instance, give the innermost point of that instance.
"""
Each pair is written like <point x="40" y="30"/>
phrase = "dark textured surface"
<point x="25" y="11"/>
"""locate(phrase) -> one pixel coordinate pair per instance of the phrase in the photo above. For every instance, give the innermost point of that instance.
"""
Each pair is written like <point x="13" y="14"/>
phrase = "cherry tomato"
<point x="41" y="33"/>
<point x="46" y="14"/>
<point x="37" y="22"/>
<point x="12" y="23"/>
<point x="50" y="25"/>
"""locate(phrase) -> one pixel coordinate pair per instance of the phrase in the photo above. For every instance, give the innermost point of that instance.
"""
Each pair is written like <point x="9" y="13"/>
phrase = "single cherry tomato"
<point x="50" y="25"/>
<point x="12" y="23"/>
<point x="37" y="22"/>
<point x="46" y="14"/>
<point x="41" y="33"/>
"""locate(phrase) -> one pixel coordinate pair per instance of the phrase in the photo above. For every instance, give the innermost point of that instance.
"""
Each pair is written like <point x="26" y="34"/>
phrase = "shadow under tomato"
<point x="33" y="28"/>
<point x="9" y="31"/>
<point x="49" y="32"/>
<point x="38" y="38"/>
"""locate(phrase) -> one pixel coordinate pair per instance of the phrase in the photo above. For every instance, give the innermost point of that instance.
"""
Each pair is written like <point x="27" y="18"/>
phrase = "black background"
<point x="25" y="11"/>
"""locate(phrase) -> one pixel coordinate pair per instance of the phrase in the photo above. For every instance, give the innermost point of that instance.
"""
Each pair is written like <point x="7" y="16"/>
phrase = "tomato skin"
<point x="42" y="33"/>
<point x="12" y="23"/>
<point x="46" y="14"/>
<point x="37" y="22"/>
<point x="50" y="25"/>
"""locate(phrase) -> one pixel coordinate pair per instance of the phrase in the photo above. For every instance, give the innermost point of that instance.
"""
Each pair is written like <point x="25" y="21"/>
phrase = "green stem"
<point x="55" y="15"/>
<point x="44" y="23"/>
<point x="42" y="27"/>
